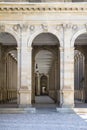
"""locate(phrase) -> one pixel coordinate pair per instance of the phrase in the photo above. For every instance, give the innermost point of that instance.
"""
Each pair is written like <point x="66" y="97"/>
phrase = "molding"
<point x="32" y="27"/>
<point x="22" y="27"/>
<point x="49" y="7"/>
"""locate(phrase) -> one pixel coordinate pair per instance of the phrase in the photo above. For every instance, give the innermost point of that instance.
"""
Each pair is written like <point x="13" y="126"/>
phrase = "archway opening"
<point x="8" y="70"/>
<point x="45" y="70"/>
<point x="80" y="71"/>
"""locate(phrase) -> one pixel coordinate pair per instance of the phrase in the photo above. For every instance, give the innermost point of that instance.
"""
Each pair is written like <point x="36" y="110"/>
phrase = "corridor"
<point x="44" y="102"/>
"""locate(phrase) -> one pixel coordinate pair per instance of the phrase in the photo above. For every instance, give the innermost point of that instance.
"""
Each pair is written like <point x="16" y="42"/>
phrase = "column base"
<point x="67" y="106"/>
<point x="25" y="98"/>
<point x="67" y="98"/>
<point x="24" y="106"/>
<point x="65" y="110"/>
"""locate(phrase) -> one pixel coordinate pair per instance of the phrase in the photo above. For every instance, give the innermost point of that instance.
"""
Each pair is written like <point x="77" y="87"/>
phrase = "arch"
<point x="43" y="88"/>
<point x="75" y="36"/>
<point x="13" y="33"/>
<point x="34" y="35"/>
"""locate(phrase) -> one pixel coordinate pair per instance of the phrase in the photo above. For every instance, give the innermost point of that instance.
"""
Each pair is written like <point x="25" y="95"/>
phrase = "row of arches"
<point x="45" y="67"/>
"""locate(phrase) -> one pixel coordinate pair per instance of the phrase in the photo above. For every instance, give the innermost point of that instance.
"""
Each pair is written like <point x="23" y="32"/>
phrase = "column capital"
<point x="18" y="48"/>
<point x="69" y="48"/>
<point x="61" y="49"/>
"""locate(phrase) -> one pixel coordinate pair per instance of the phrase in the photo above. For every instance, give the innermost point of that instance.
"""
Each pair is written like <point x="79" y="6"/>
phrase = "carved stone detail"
<point x="18" y="27"/>
<point x="44" y="27"/>
<point x="67" y="26"/>
<point x="32" y="27"/>
<point x="75" y="27"/>
<point x="24" y="27"/>
<point x="58" y="27"/>
<point x="50" y="8"/>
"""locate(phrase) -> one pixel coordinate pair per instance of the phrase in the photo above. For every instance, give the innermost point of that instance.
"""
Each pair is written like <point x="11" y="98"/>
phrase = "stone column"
<point x="61" y="75"/>
<point x="48" y="84"/>
<point x="25" y="86"/>
<point x="33" y="76"/>
<point x="18" y="73"/>
<point x="56" y="79"/>
<point x="68" y="88"/>
<point x="85" y="87"/>
<point x="3" y="71"/>
<point x="38" y="90"/>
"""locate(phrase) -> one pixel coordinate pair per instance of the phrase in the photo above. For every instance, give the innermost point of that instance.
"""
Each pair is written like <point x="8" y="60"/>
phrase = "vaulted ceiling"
<point x="7" y="39"/>
<point x="81" y="40"/>
<point x="44" y="60"/>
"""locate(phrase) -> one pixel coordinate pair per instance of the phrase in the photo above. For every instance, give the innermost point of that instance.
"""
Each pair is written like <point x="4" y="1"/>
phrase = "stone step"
<point x="36" y="110"/>
<point x="71" y="110"/>
<point x="17" y="110"/>
<point x="80" y="110"/>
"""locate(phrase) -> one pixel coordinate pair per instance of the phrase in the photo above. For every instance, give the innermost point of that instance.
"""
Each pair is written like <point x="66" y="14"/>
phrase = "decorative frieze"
<point x="75" y="27"/>
<point x="44" y="27"/>
<point x="22" y="27"/>
<point x="58" y="27"/>
<point x="39" y="7"/>
<point x="16" y="27"/>
<point x="32" y="27"/>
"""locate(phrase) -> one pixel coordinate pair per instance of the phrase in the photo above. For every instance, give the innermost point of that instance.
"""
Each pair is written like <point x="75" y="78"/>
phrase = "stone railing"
<point x="79" y="95"/>
<point x="7" y="95"/>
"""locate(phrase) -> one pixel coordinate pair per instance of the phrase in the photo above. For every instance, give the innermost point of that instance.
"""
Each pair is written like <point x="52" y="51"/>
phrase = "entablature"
<point x="44" y="7"/>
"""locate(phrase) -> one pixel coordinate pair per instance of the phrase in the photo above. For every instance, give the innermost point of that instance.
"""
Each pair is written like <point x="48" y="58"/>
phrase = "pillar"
<point x="61" y="74"/>
<point x="56" y="79"/>
<point x="68" y="84"/>
<point x="38" y="89"/>
<point x="25" y="77"/>
<point x="85" y="87"/>
<point x="33" y="76"/>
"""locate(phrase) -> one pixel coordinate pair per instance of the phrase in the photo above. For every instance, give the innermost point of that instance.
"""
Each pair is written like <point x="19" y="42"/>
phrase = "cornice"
<point x="44" y="7"/>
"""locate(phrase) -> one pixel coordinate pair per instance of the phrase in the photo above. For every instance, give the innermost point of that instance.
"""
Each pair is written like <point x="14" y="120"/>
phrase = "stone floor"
<point x="45" y="118"/>
<point x="44" y="102"/>
<point x="40" y="121"/>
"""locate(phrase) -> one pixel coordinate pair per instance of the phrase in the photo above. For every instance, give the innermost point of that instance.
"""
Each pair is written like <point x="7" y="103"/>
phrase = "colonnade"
<point x="79" y="73"/>
<point x="8" y="84"/>
<point x="54" y="81"/>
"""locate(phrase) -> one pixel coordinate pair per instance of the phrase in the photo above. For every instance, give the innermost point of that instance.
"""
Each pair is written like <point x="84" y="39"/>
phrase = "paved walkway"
<point x="44" y="102"/>
<point x="46" y="118"/>
<point x="47" y="121"/>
